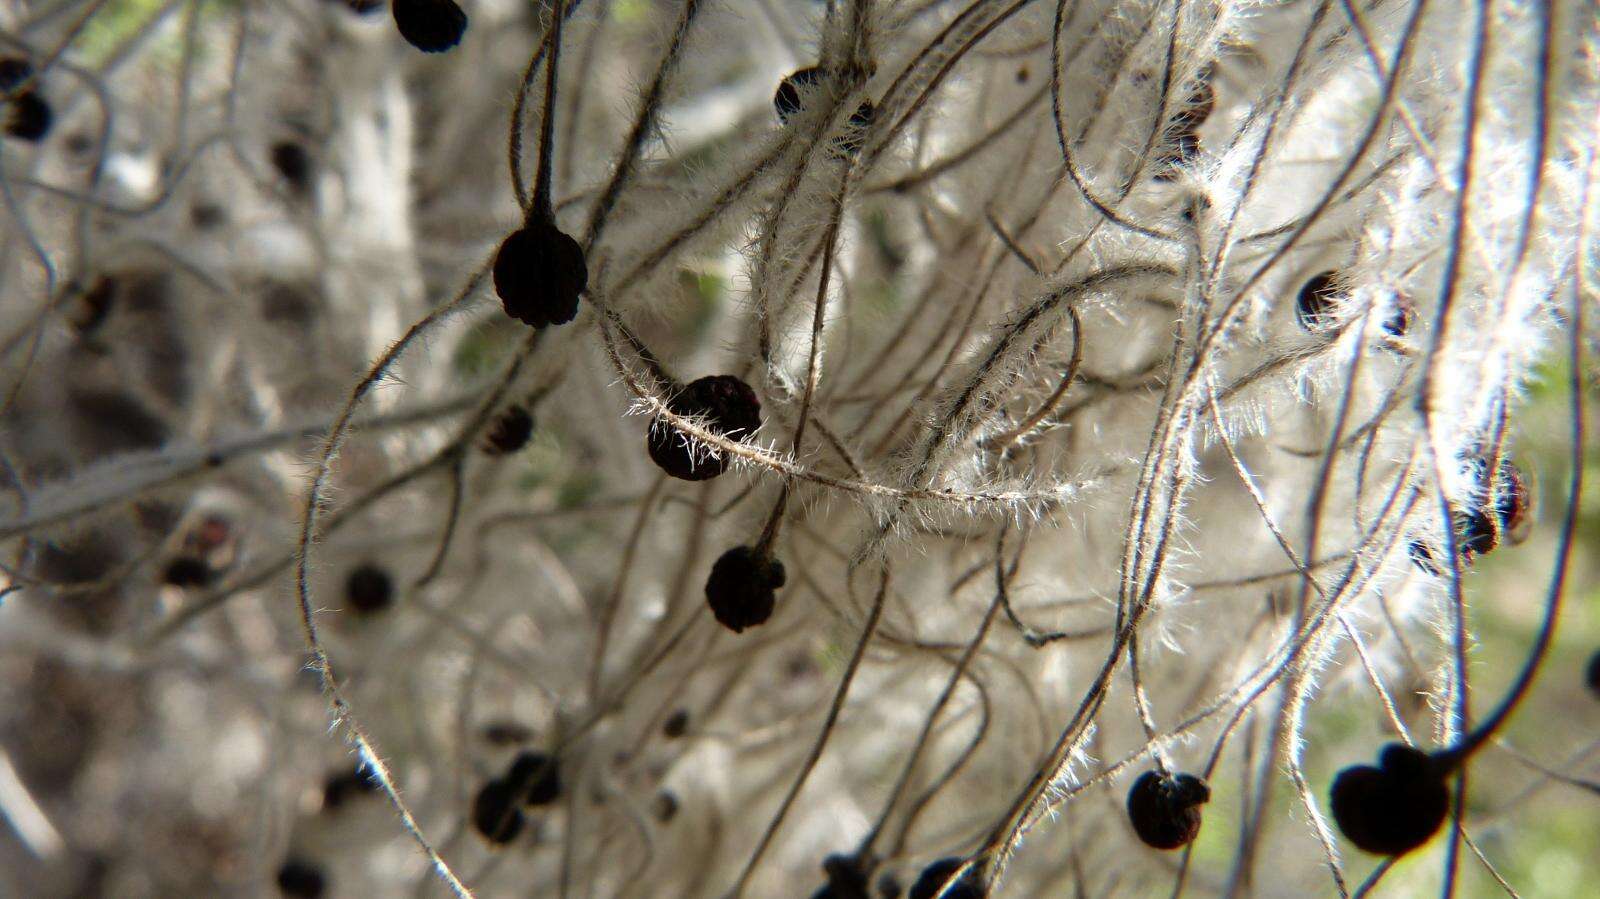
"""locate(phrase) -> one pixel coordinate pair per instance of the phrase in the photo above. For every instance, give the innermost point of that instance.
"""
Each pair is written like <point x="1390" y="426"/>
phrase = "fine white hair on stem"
<point x="1146" y="390"/>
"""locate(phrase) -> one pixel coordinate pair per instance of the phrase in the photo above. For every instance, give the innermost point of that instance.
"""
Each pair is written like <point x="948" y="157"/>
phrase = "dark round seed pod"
<point x="509" y="432"/>
<point x="432" y="26"/>
<point x="741" y="587"/>
<point x="539" y="271"/>
<point x="1318" y="300"/>
<point x="931" y="882"/>
<point x="301" y="879"/>
<point x="888" y="886"/>
<point x="854" y="137"/>
<point x="495" y="815"/>
<point x="13" y="71"/>
<point x="1395" y="807"/>
<point x="1165" y="811"/>
<point x="28" y="116"/>
<point x="187" y="571"/>
<point x="293" y="164"/>
<point x="535" y="777"/>
<point x="728" y="406"/>
<point x="789" y="99"/>
<point x="347" y="785"/>
<point x="369" y="589"/>
<point x="1594" y="673"/>
<point x="666" y="806"/>
<point x="676" y="725"/>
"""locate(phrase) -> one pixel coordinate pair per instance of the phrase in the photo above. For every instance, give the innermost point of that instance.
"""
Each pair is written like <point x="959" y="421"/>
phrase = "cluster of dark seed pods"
<point x="1395" y="807"/>
<point x="432" y="26"/>
<point x="1165" y="809"/>
<point x="534" y="779"/>
<point x="742" y="587"/>
<point x="727" y="405"/>
<point x="934" y="882"/>
<point x="27" y="116"/>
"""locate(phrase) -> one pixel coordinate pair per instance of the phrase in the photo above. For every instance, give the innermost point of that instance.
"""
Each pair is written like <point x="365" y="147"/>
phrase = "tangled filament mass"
<point x="858" y="448"/>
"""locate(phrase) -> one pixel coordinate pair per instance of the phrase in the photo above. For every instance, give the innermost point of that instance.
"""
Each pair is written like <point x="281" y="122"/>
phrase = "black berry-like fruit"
<point x="726" y="404"/>
<point x="294" y="164"/>
<point x="676" y="725"/>
<point x="1594" y="673"/>
<point x="1165" y="811"/>
<point x="539" y="271"/>
<point x="509" y="432"/>
<point x="187" y="572"/>
<point x="301" y="879"/>
<point x="432" y="26"/>
<point x="888" y="886"/>
<point x="347" y="785"/>
<point x="847" y="879"/>
<point x="495" y="815"/>
<point x="1395" y="807"/>
<point x="535" y="777"/>
<point x="28" y="116"/>
<point x="789" y="100"/>
<point x="369" y="589"/>
<point x="741" y="587"/>
<point x="933" y="878"/>
<point x="1318" y="301"/>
